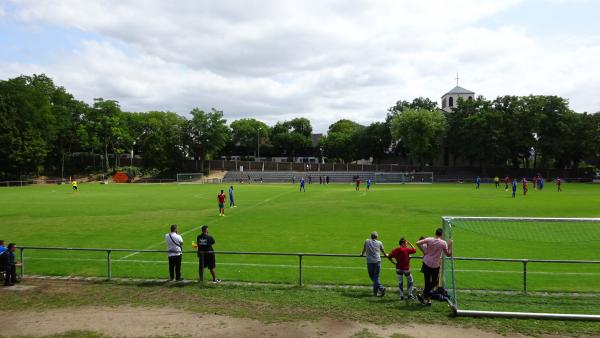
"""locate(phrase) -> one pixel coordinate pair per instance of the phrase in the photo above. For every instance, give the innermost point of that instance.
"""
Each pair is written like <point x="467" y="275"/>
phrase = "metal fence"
<point x="300" y="256"/>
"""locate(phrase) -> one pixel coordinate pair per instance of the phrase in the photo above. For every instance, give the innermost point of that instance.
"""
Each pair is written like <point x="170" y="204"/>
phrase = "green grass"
<point x="278" y="218"/>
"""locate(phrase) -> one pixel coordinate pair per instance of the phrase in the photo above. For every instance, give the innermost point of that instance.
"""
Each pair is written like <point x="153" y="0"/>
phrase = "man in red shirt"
<point x="357" y="183"/>
<point x="402" y="256"/>
<point x="221" y="198"/>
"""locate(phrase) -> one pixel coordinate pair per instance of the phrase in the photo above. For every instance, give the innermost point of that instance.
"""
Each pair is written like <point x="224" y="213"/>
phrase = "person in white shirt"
<point x="373" y="249"/>
<point x="174" y="245"/>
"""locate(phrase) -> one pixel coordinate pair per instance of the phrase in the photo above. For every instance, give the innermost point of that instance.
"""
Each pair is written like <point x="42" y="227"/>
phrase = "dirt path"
<point x="126" y="321"/>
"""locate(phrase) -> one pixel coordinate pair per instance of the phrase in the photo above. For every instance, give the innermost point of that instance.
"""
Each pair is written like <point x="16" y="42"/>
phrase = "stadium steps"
<point x="287" y="176"/>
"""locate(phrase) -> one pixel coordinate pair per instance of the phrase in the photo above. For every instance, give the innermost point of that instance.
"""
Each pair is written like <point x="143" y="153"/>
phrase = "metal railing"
<point x="296" y="254"/>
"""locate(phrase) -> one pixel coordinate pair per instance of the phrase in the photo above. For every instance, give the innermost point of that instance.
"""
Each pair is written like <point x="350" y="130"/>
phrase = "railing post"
<point x="300" y="270"/>
<point x="109" y="270"/>
<point x="22" y="261"/>
<point x="524" y="276"/>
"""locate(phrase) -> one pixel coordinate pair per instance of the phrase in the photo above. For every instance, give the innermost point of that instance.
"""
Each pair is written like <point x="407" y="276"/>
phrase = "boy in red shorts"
<point x="402" y="256"/>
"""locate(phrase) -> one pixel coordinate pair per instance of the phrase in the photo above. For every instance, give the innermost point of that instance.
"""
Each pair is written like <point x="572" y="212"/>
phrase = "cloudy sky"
<point x="324" y="60"/>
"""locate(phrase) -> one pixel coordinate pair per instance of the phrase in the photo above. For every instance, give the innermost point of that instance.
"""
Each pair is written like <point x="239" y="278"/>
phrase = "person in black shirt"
<point x="205" y="256"/>
<point x="9" y="262"/>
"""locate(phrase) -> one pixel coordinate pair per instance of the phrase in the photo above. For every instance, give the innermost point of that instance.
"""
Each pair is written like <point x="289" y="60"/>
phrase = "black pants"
<point x="175" y="267"/>
<point x="10" y="274"/>
<point x="432" y="276"/>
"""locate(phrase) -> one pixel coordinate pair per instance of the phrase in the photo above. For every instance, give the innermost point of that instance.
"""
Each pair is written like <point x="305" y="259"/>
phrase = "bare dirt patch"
<point x="19" y="287"/>
<point x="127" y="321"/>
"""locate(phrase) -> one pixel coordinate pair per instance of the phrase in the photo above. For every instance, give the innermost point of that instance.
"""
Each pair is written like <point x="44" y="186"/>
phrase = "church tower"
<point x="450" y="99"/>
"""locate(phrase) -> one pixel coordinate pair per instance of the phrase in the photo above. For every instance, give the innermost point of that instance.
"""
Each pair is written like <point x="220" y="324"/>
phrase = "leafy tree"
<point x="340" y="141"/>
<point x="292" y="137"/>
<point x="27" y="126"/>
<point x="374" y="141"/>
<point x="418" y="103"/>
<point x="159" y="140"/>
<point x="104" y="123"/>
<point x="518" y="126"/>
<point x="206" y="133"/>
<point x="422" y="132"/>
<point x="245" y="133"/>
<point x="553" y="123"/>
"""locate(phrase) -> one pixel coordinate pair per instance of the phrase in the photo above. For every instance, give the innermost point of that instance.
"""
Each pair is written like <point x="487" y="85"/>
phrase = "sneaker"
<point x="401" y="297"/>
<point x="216" y="281"/>
<point x="420" y="298"/>
<point x="179" y="280"/>
<point x="411" y="297"/>
<point x="382" y="292"/>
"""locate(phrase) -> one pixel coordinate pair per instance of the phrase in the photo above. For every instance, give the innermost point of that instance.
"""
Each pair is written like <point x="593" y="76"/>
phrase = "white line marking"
<point x="214" y="222"/>
<point x="294" y="266"/>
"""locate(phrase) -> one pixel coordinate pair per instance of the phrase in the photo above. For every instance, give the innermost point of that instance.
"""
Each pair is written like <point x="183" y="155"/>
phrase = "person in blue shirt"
<point x="2" y="247"/>
<point x="478" y="182"/>
<point x="368" y="184"/>
<point x="9" y="263"/>
<point x="514" y="188"/>
<point x="302" y="188"/>
<point x="541" y="183"/>
<point x="231" y="201"/>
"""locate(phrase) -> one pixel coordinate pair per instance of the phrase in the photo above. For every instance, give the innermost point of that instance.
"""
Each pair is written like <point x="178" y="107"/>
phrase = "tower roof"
<point x="459" y="90"/>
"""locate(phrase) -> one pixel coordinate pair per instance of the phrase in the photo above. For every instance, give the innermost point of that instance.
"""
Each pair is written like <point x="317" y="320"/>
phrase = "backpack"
<point x="440" y="294"/>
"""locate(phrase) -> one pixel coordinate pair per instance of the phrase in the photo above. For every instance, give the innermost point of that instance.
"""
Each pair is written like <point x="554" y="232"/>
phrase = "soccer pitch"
<point x="278" y="218"/>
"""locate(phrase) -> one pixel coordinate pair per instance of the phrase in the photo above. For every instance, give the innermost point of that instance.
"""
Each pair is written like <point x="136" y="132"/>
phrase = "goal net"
<point x="402" y="177"/>
<point x="190" y="178"/>
<point x="523" y="267"/>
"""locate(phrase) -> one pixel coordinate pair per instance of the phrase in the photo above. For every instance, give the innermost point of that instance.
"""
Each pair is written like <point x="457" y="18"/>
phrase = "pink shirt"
<point x="435" y="247"/>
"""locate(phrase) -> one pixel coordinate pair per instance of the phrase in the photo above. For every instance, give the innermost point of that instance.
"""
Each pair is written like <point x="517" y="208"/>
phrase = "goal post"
<point x="422" y="177"/>
<point x="545" y="268"/>
<point x="189" y="177"/>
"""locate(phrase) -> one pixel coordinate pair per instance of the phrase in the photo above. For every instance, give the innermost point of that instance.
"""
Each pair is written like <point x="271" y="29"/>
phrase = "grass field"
<point x="278" y="218"/>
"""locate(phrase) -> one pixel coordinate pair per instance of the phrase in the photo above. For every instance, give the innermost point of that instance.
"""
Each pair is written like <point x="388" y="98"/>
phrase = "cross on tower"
<point x="457" y="79"/>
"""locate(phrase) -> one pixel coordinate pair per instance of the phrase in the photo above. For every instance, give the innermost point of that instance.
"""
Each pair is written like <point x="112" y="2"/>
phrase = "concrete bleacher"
<point x="334" y="176"/>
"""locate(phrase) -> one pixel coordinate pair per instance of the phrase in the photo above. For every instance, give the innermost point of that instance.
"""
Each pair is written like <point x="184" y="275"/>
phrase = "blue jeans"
<point x="374" y="269"/>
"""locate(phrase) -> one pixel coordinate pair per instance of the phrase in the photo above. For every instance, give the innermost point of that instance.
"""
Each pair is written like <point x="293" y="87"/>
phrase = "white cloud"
<point x="320" y="59"/>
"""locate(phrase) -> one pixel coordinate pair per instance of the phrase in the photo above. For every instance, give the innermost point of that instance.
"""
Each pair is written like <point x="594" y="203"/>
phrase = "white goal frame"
<point x="193" y="177"/>
<point x="448" y="263"/>
<point x="421" y="177"/>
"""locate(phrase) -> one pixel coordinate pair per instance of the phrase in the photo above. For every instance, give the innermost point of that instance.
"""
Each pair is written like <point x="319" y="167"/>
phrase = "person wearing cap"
<point x="373" y="248"/>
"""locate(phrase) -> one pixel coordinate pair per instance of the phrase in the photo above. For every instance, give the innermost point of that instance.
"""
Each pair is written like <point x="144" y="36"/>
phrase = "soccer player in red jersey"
<point x="357" y="181"/>
<point x="506" y="182"/>
<point x="402" y="256"/>
<point x="525" y="187"/>
<point x="558" y="184"/>
<point x="221" y="199"/>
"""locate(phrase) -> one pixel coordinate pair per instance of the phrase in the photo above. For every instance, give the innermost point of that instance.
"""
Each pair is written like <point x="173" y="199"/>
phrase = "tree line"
<point x="42" y="126"/>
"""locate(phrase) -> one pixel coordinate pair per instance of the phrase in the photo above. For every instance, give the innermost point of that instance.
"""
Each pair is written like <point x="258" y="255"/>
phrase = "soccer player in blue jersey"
<point x="514" y="187"/>
<point x="478" y="182"/>
<point x="302" y="187"/>
<point x="231" y="200"/>
<point x="368" y="184"/>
